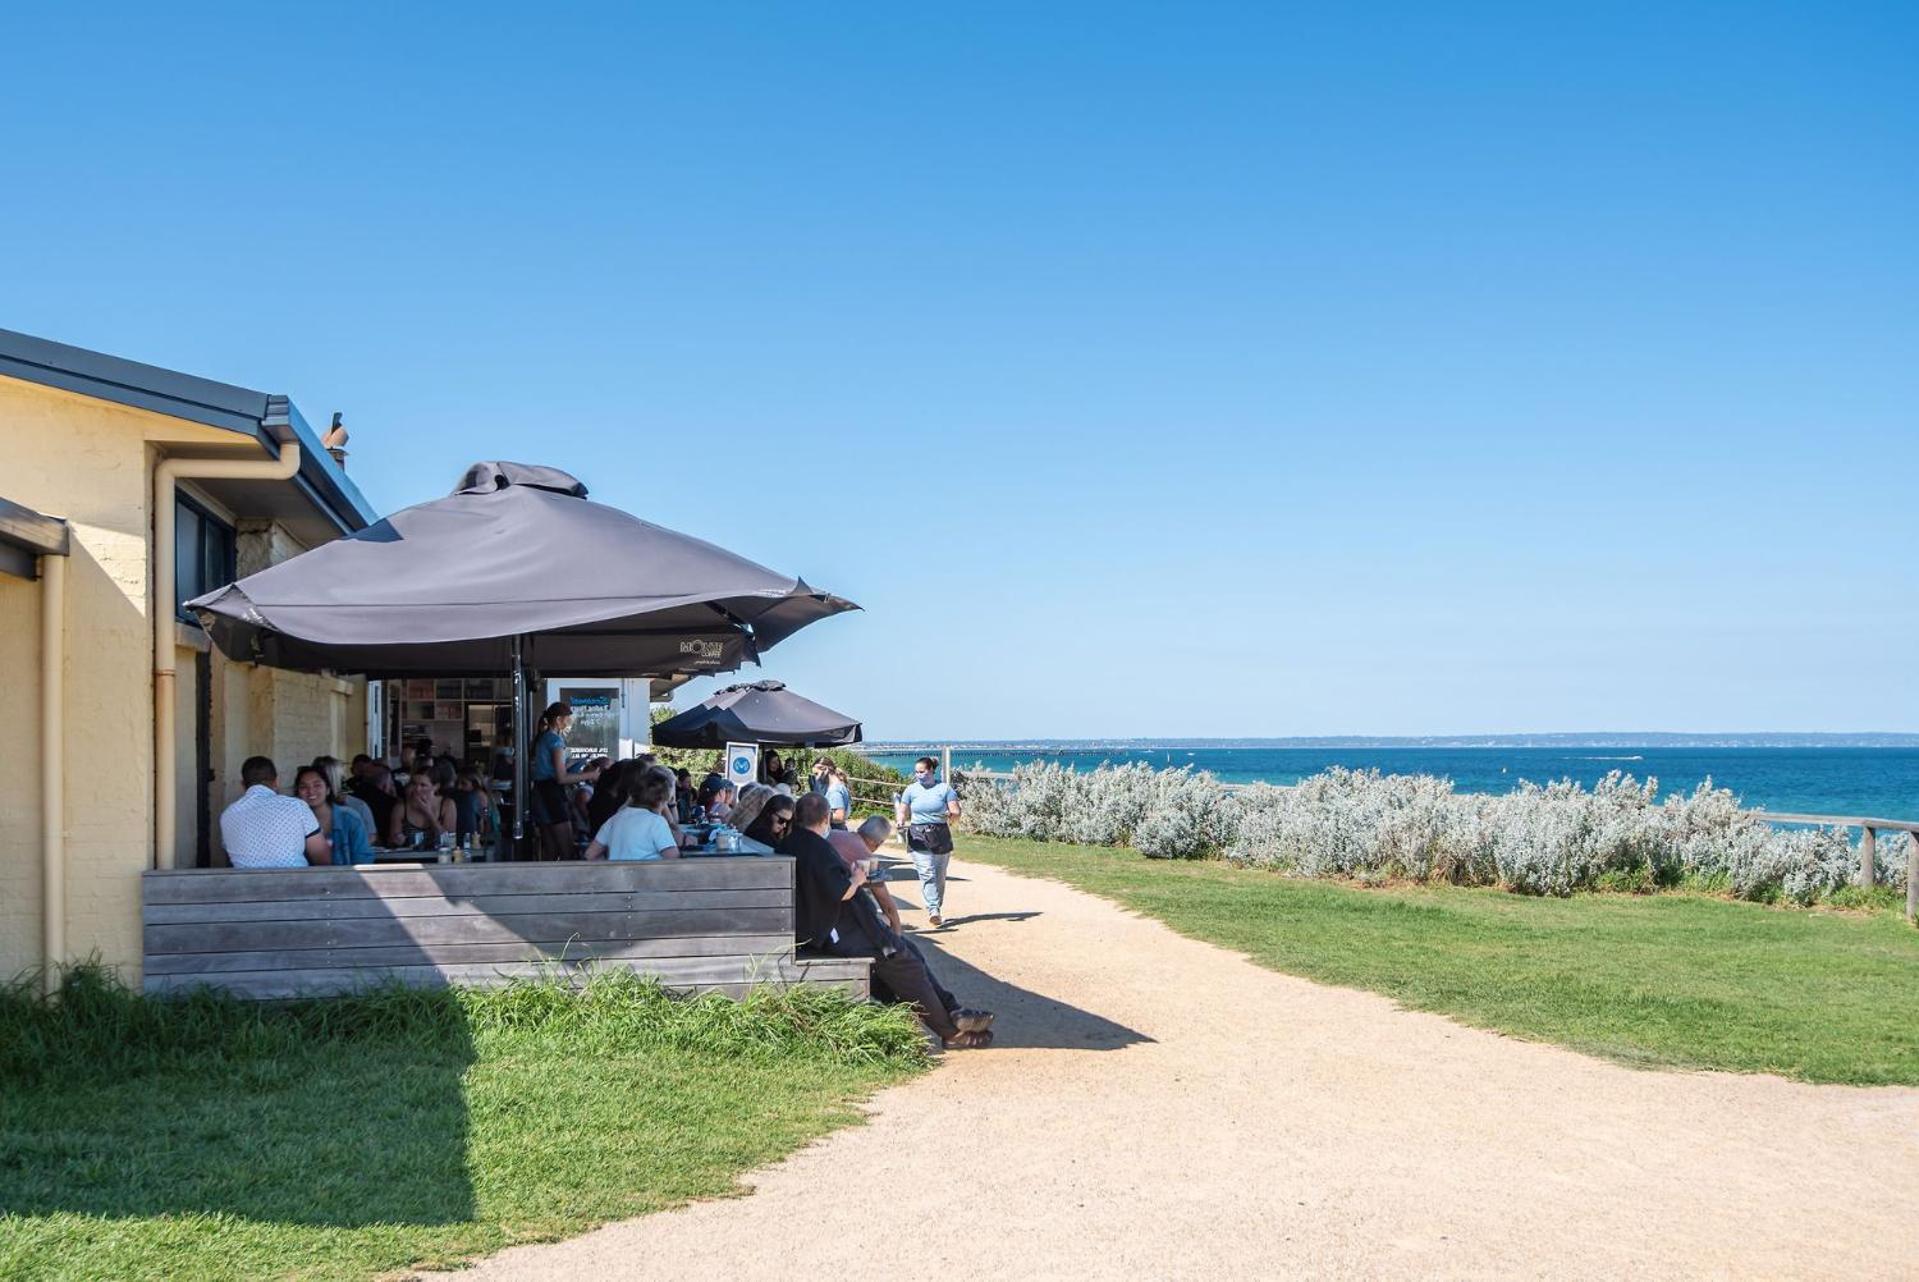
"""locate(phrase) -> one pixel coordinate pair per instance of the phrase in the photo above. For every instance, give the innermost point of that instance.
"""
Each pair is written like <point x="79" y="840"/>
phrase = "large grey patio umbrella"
<point x="757" y="712"/>
<point x="514" y="570"/>
<point x="445" y="588"/>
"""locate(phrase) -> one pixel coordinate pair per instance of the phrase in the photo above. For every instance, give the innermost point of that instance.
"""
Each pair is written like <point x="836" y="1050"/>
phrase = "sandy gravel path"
<point x="1160" y="1108"/>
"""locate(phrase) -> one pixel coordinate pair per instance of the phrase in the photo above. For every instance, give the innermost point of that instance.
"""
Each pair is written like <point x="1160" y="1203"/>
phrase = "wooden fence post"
<point x="1912" y="877"/>
<point x="1868" y="851"/>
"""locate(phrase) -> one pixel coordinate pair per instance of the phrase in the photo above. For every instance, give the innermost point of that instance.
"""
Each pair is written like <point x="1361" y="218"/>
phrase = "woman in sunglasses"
<point x="769" y="829"/>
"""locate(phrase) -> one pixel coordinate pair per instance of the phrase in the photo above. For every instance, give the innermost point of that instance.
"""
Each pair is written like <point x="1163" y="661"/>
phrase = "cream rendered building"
<point x="97" y="454"/>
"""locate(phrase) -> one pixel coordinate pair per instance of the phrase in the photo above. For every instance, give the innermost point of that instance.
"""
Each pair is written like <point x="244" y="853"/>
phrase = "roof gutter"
<point x="165" y="660"/>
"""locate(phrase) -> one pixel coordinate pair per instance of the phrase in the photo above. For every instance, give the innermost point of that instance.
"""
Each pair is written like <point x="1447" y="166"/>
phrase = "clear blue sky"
<point x="1143" y="369"/>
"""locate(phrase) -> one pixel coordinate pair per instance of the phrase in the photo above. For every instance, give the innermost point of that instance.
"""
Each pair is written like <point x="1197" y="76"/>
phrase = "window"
<point x="202" y="553"/>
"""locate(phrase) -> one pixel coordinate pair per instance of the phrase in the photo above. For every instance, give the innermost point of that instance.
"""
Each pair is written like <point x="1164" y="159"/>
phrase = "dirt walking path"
<point x="1160" y="1108"/>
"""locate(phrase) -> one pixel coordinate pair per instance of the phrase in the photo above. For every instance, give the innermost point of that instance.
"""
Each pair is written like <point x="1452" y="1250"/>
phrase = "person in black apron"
<point x="925" y="811"/>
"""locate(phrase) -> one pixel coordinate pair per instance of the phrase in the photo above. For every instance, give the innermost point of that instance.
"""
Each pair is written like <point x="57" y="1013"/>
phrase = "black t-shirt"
<point x="820" y="883"/>
<point x="380" y="803"/>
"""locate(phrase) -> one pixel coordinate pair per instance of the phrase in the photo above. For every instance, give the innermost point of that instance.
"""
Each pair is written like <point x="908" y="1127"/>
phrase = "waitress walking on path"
<point x="924" y="811"/>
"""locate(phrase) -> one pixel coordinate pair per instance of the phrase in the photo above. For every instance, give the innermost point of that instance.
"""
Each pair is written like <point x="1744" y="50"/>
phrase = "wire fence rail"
<point x="1868" y="827"/>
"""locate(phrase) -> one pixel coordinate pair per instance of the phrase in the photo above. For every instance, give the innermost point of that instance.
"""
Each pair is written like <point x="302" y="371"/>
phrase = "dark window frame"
<point x="226" y="571"/>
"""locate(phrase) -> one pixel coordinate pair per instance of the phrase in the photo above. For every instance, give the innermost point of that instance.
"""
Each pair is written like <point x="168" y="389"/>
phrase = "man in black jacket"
<point x="832" y="917"/>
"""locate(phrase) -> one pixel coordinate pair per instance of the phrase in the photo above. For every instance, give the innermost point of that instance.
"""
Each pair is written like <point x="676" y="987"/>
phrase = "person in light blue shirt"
<point x="839" y="796"/>
<point x="925" y="811"/>
<point x="550" y="777"/>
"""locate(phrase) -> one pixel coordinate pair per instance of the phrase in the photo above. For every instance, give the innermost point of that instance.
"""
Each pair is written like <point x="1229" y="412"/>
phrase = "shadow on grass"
<point x="342" y="1114"/>
<point x="1025" y="1018"/>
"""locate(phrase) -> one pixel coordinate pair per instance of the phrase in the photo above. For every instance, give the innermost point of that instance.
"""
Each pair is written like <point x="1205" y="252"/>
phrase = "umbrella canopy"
<point x="443" y="588"/>
<point x="759" y="712"/>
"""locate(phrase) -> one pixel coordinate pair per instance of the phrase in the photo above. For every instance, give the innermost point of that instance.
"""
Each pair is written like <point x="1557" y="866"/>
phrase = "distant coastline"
<point x="1860" y="773"/>
<point x="1576" y="739"/>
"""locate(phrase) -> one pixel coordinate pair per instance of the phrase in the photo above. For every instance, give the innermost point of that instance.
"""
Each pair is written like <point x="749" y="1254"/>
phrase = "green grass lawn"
<point x="1667" y="979"/>
<point x="210" y="1139"/>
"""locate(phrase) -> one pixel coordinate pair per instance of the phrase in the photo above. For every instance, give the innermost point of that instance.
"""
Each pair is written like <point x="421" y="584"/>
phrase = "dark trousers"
<point x="950" y="1002"/>
<point x="902" y="974"/>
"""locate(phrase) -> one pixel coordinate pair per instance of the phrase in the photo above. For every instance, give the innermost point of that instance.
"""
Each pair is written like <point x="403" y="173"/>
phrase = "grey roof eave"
<point x="265" y="417"/>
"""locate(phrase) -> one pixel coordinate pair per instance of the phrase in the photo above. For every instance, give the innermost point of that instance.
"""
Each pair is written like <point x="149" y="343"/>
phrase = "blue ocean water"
<point x="1881" y="783"/>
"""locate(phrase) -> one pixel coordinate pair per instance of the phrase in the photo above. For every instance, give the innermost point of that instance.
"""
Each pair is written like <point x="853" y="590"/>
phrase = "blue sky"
<point x="1143" y="369"/>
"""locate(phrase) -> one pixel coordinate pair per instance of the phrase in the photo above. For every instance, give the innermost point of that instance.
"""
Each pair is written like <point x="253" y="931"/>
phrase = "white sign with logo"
<point x="742" y="764"/>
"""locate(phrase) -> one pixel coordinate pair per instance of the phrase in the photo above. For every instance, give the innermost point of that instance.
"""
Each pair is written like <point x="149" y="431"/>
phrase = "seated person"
<point x="747" y="808"/>
<point x="857" y="848"/>
<point x="472" y="806"/>
<point x="581" y="796"/>
<point x="638" y="831"/>
<point x="716" y="800"/>
<point x="424" y="814"/>
<point x="265" y="830"/>
<point x="666" y="809"/>
<point x="832" y="917"/>
<point x="339" y="822"/>
<point x="336" y="789"/>
<point x="609" y="793"/>
<point x="376" y="789"/>
<point x="769" y="827"/>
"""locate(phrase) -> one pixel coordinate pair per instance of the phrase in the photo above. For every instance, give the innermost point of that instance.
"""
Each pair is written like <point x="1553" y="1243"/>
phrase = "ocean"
<point x="1878" y="783"/>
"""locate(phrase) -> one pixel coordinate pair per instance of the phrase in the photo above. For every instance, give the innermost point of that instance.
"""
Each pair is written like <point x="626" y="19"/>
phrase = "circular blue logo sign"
<point x="742" y="765"/>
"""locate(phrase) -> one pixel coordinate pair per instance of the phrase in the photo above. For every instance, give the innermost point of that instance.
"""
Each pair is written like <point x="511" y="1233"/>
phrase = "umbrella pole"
<point x="520" y="781"/>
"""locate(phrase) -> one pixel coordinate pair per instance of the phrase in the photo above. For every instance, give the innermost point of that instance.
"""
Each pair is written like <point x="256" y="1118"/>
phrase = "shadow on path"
<point x="1025" y="1018"/>
<point x="962" y="921"/>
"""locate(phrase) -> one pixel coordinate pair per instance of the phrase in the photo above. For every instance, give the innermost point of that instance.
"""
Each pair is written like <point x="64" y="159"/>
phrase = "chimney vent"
<point x="335" y="440"/>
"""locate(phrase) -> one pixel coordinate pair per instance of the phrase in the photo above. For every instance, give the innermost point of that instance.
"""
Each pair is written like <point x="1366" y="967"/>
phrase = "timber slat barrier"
<point x="696" y="925"/>
<point x="1868" y="844"/>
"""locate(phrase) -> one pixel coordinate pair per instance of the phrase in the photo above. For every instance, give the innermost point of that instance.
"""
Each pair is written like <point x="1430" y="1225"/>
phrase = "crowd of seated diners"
<point x="341" y="815"/>
<point x="635" y="810"/>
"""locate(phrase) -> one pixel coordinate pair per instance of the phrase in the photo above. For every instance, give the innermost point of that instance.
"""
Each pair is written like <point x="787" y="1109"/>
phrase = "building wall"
<point x="85" y="460"/>
<point x="20" y="772"/>
<point x="91" y="462"/>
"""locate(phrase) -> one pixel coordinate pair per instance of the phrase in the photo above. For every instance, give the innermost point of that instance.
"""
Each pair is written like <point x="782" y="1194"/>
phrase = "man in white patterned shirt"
<point x="266" y="830"/>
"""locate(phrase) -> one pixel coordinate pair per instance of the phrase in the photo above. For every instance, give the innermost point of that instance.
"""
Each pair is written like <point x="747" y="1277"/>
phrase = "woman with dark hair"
<point x="335" y="775"/>
<point x="549" y="777"/>
<point x="770" y="827"/>
<point x="685" y="800"/>
<point x="638" y="831"/>
<point x="341" y="825"/>
<point x="773" y="770"/>
<point x="609" y="794"/>
<point x="422" y="812"/>
<point x="924" y="812"/>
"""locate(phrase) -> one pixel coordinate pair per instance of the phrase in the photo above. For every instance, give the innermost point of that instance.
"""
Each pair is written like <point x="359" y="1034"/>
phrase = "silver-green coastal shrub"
<point x="1542" y="839"/>
<point x="1168" y="814"/>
